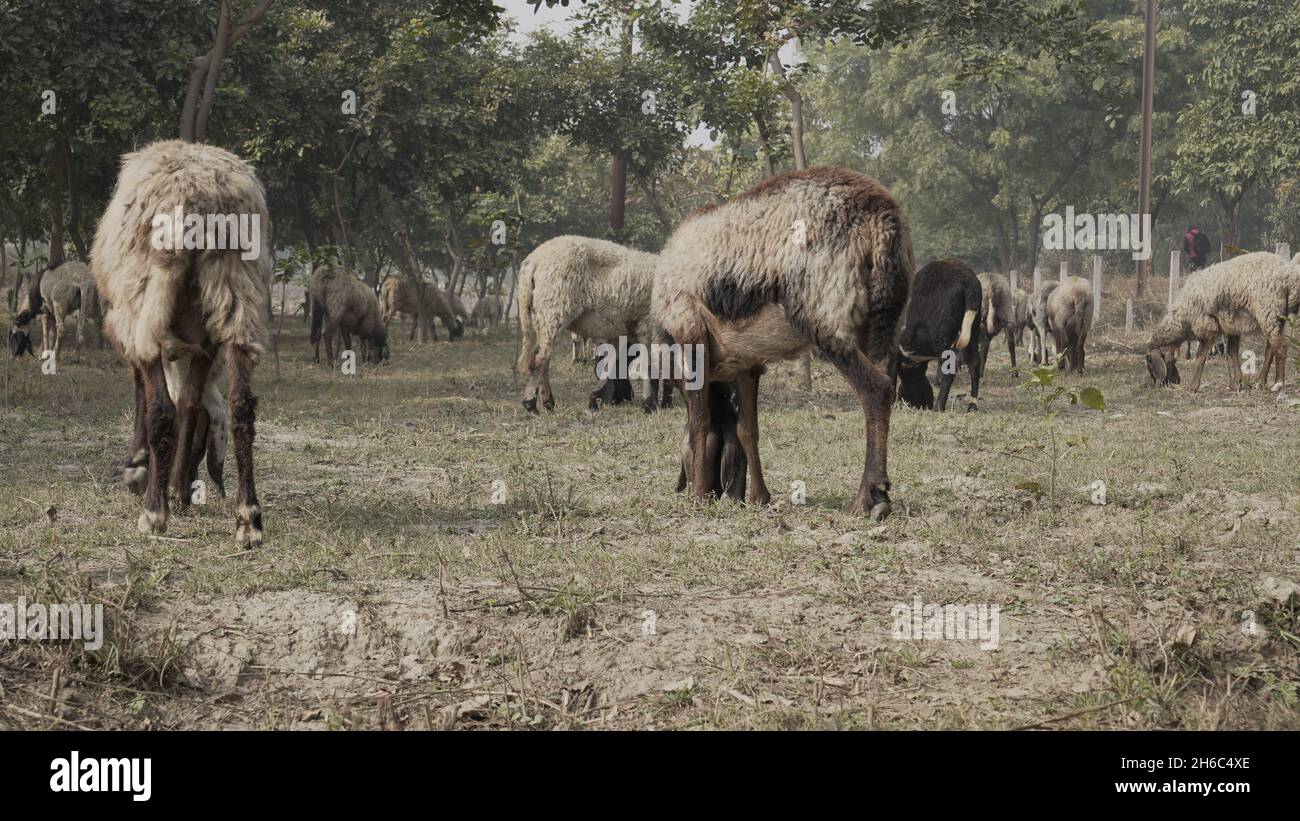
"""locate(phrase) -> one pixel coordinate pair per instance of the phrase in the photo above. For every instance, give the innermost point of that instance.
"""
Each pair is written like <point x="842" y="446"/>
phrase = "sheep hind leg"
<point x="243" y="413"/>
<point x="747" y="433"/>
<point x="876" y="395"/>
<point x="190" y="407"/>
<point x="945" y="383"/>
<point x="161" y="434"/>
<point x="976" y="367"/>
<point x="1233" y="345"/>
<point x="703" y="474"/>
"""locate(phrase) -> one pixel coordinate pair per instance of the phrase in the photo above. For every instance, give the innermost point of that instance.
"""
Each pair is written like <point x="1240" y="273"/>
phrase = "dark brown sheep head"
<point x="20" y="342"/>
<point x="1162" y="366"/>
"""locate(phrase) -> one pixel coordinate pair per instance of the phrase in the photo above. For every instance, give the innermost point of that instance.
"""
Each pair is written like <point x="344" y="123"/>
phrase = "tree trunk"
<point x="74" y="201"/>
<point x="206" y="69"/>
<point x="617" y="192"/>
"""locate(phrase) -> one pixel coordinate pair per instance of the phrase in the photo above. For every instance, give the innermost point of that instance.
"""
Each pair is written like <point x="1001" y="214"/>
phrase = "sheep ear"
<point x="1156" y="369"/>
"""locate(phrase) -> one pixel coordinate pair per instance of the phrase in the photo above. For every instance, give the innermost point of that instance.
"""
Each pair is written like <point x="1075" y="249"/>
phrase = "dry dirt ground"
<point x="437" y="558"/>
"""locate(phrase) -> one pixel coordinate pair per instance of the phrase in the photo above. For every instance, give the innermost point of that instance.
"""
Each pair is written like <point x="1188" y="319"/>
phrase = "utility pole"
<point x="1144" y="170"/>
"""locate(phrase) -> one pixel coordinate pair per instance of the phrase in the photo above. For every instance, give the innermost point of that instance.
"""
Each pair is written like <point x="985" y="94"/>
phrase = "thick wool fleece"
<point x="596" y="288"/>
<point x="152" y="293"/>
<point x="819" y="257"/>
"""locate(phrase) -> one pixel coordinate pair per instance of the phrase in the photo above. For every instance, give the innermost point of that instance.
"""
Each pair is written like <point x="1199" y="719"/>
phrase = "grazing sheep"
<point x="722" y="447"/>
<point x="1069" y="315"/>
<point x="172" y="312"/>
<point x="457" y="306"/>
<point x="422" y="302"/>
<point x="1039" y="322"/>
<point x="593" y="287"/>
<point x="942" y="323"/>
<point x="1020" y="305"/>
<point x="1240" y="295"/>
<point x="817" y="258"/>
<point x="998" y="313"/>
<point x="345" y="305"/>
<point x="57" y="293"/>
<point x="487" y="313"/>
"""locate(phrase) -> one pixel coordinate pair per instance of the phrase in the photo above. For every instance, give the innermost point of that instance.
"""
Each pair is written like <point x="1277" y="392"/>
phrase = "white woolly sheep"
<point x="593" y="287"/>
<point x="342" y="305"/>
<point x="1237" y="296"/>
<point x="817" y="258"/>
<point x="487" y="313"/>
<point x="998" y="312"/>
<point x="171" y="312"/>
<point x="1039" y="322"/>
<point x="1069" y="317"/>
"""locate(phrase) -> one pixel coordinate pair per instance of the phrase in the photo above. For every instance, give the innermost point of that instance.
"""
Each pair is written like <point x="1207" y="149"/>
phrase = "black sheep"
<point x="943" y="323"/>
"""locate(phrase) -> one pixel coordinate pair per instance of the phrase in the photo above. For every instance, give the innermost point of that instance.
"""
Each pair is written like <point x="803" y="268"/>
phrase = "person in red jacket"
<point x="1197" y="247"/>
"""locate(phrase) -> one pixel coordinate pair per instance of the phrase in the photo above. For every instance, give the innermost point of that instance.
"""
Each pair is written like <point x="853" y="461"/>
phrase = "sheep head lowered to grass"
<point x="174" y="312"/>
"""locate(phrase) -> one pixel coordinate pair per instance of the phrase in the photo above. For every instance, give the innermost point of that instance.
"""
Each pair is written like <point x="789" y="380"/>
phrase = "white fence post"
<point x="1175" y="261"/>
<point x="1038" y="279"/>
<point x="1065" y="270"/>
<point x="1284" y="250"/>
<point x="1015" y="275"/>
<point x="1128" y="317"/>
<point x="1096" y="288"/>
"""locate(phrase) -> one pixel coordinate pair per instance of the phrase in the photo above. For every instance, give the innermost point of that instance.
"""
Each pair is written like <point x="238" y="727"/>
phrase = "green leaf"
<point x="1092" y="399"/>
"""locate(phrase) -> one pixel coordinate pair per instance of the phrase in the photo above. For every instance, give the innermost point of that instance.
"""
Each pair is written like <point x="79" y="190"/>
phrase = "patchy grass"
<point x="393" y="592"/>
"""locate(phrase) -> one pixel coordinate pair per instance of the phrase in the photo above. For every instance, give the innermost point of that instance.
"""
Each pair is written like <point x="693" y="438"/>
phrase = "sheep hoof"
<point x="530" y="405"/>
<point x="880" y="510"/>
<point x="152" y="523"/>
<point x="248" y="526"/>
<point x="972" y="406"/>
<point x="1275" y="387"/>
<point x="549" y="404"/>
<point x="135" y="478"/>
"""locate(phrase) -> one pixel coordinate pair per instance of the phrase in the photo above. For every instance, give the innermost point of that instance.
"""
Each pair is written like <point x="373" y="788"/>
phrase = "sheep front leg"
<point x="243" y="413"/>
<point x="136" y="472"/>
<point x="747" y="432"/>
<point x="1202" y="352"/>
<point x="876" y="395"/>
<point x="161" y="428"/>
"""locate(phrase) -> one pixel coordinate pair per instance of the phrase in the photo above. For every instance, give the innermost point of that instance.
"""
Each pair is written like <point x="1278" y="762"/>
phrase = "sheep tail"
<point x="528" y="348"/>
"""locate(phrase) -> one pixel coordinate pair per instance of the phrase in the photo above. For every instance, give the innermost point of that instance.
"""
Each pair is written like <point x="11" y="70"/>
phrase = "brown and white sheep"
<point x="592" y="287"/>
<point x="342" y="305"/>
<point x="817" y="258"/>
<point x="1246" y="293"/>
<point x="422" y="302"/>
<point x="54" y="296"/>
<point x="1069" y="316"/>
<point x="172" y="312"/>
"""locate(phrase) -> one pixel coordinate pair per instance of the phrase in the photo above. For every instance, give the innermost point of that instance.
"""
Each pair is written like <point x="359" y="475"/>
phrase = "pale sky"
<point x="559" y="20"/>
